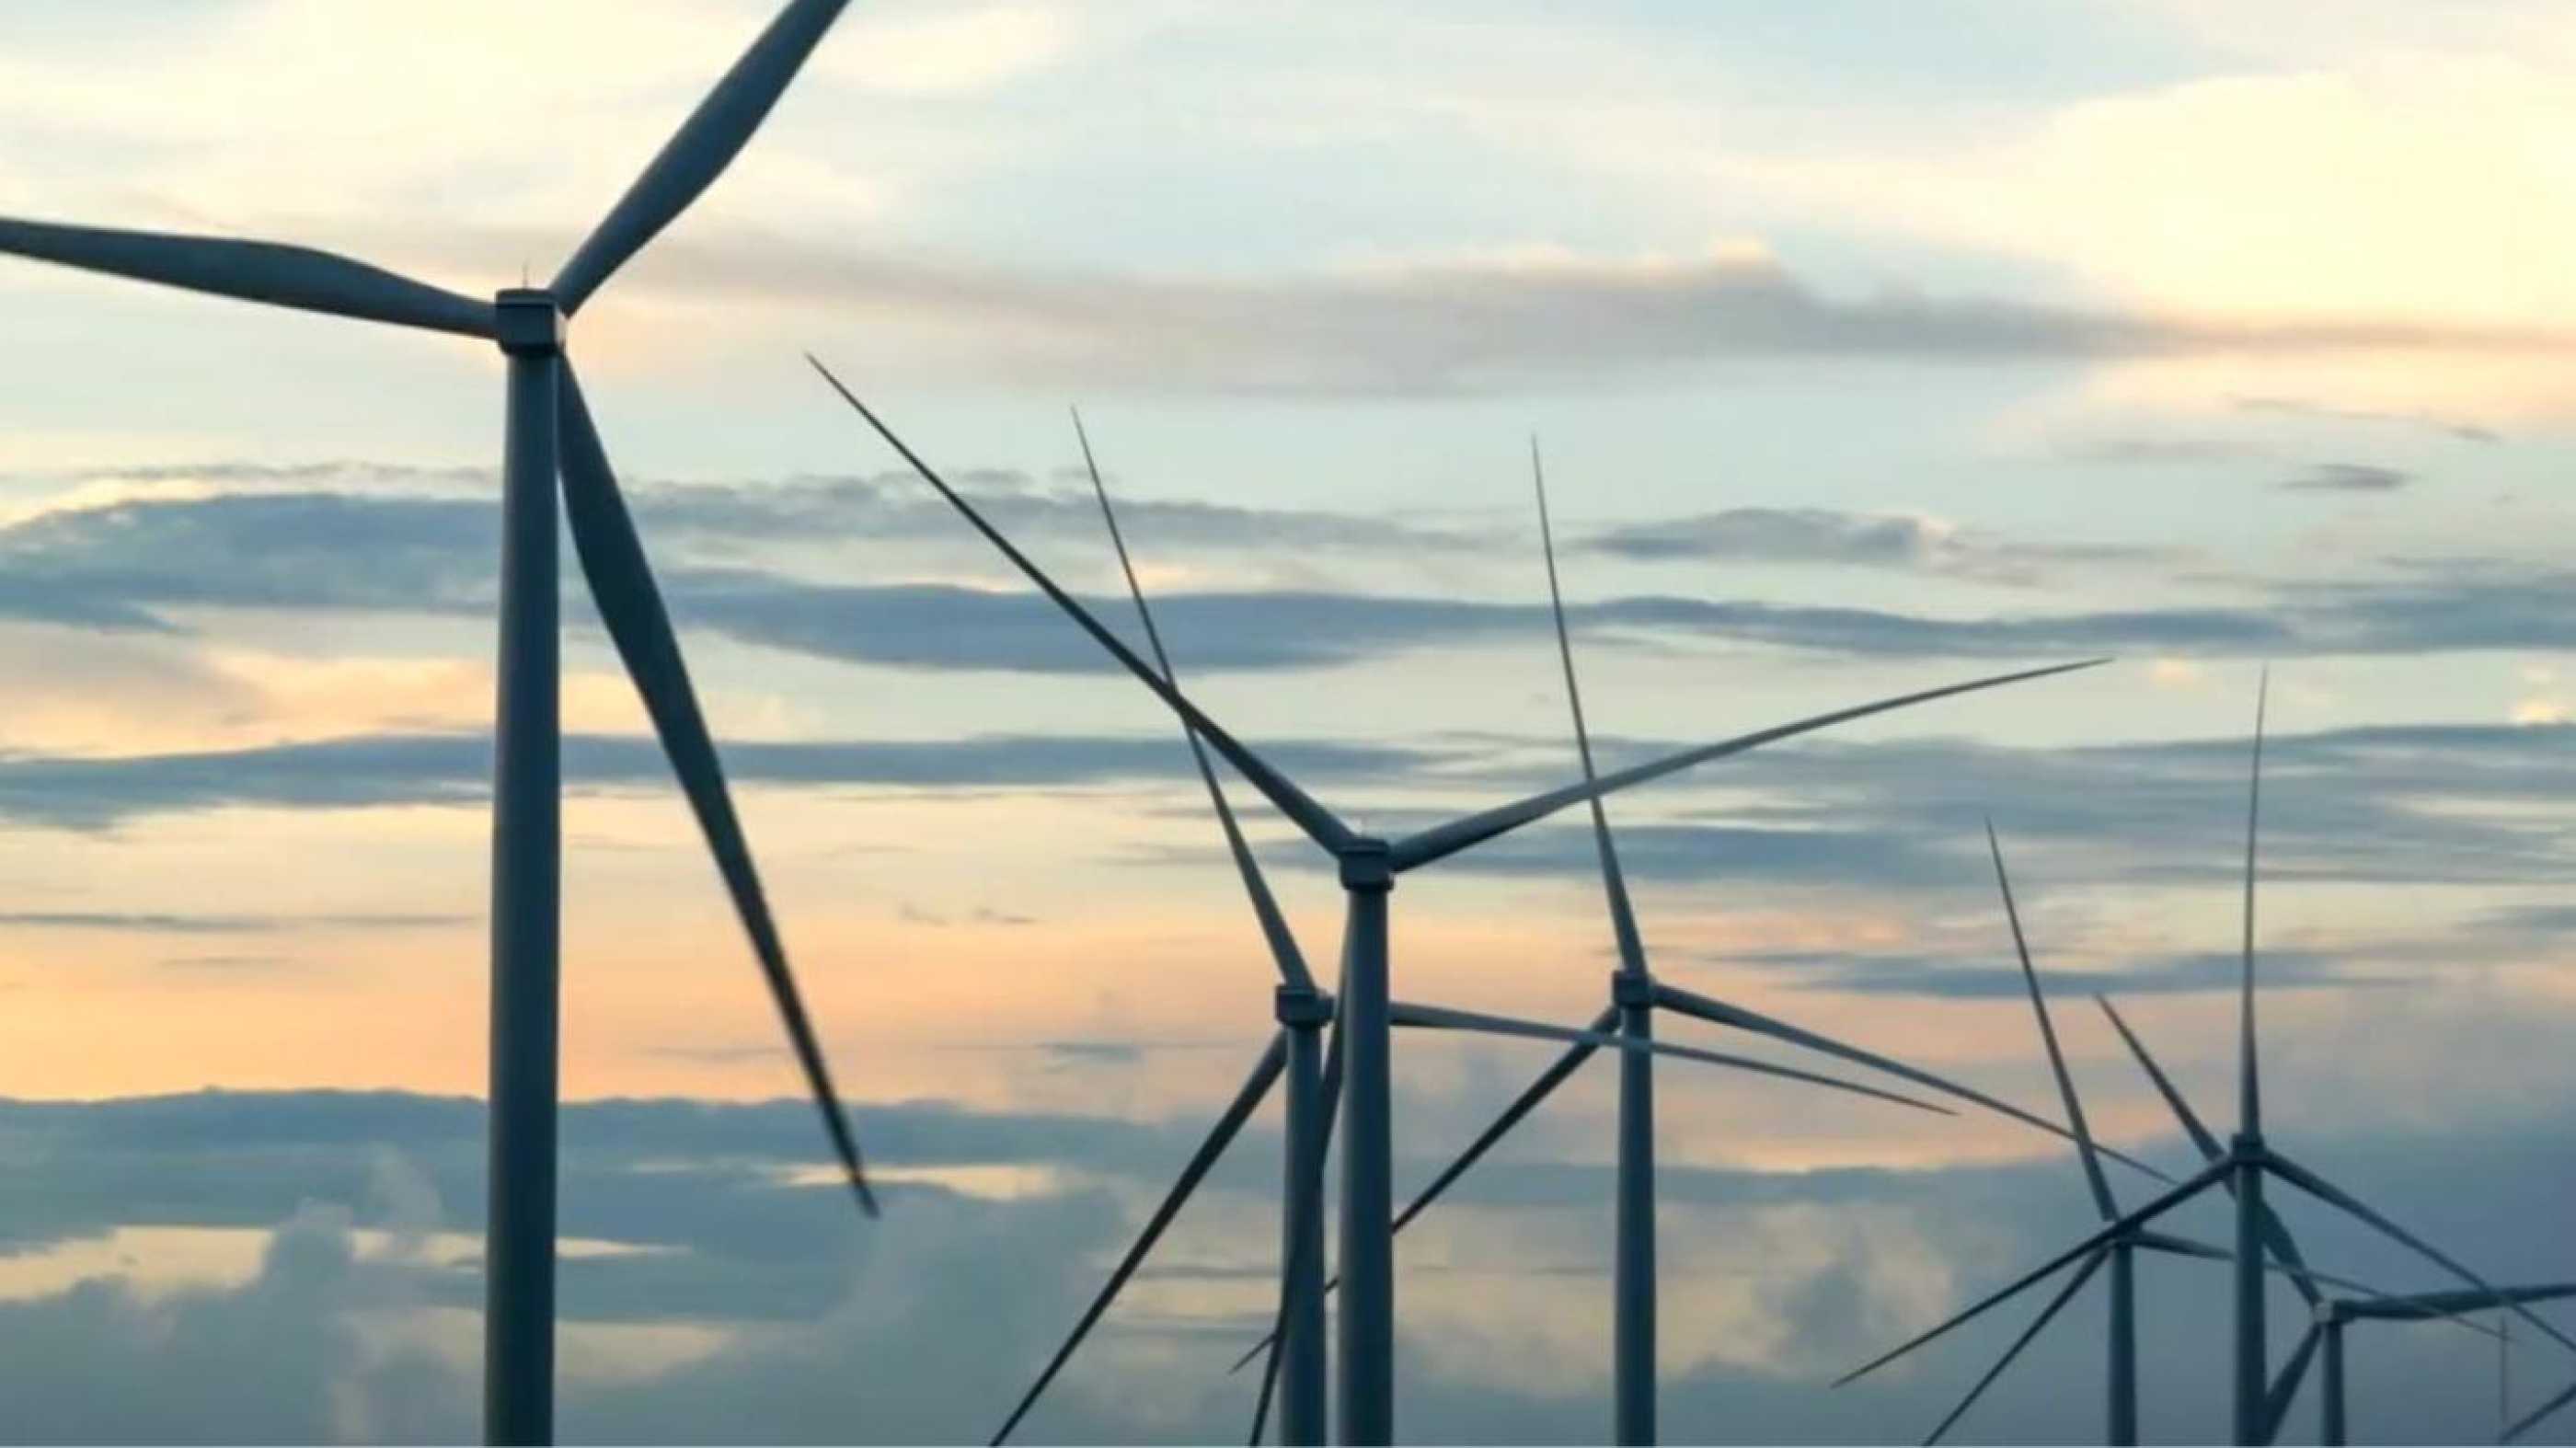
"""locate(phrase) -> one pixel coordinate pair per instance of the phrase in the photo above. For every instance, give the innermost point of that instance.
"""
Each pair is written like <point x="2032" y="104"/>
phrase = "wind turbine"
<point x="2334" y="1314"/>
<point x="2119" y="1254"/>
<point x="1634" y="995"/>
<point x="1301" y="1011"/>
<point x="1368" y="868"/>
<point x="1634" y="1285"/>
<point x="2329" y="1315"/>
<point x="2240" y="1167"/>
<point x="548" y="431"/>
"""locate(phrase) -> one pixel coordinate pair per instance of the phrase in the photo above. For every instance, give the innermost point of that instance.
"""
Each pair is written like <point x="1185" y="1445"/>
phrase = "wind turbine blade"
<point x="2185" y="1247"/>
<point x="253" y="271"/>
<point x="2174" y="1246"/>
<point x="1265" y="1072"/>
<point x="1537" y="1091"/>
<point x="2200" y="1135"/>
<point x="2442" y="1304"/>
<point x="2073" y="1285"/>
<point x="2048" y="1034"/>
<point x="2285" y="1388"/>
<point x="1265" y="906"/>
<point x="1442" y="841"/>
<point x="630" y="606"/>
<point x="1716" y="1012"/>
<point x="1614" y="881"/>
<point x="2536" y="1416"/>
<point x="700" y="150"/>
<point x="2249" y="1108"/>
<point x="2276" y="1234"/>
<point x="1269" y="1382"/>
<point x="1319" y="823"/>
<point x="2334" y="1196"/>
<point x="2172" y="1197"/>
<point x="1442" y="1018"/>
<point x="1522" y="1105"/>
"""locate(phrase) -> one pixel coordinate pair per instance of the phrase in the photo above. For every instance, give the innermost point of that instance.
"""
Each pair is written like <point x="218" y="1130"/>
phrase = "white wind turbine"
<point x="2335" y="1314"/>
<point x="1313" y="1077"/>
<point x="1369" y="866"/>
<point x="1634" y="995"/>
<point x="549" y="433"/>
<point x="2240" y="1168"/>
<point x="2121" y="1412"/>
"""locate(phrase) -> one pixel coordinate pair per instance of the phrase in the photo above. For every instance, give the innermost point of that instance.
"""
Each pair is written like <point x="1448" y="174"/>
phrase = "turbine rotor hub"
<point x="530" y="324"/>
<point x="1302" y="1006"/>
<point x="1367" y="864"/>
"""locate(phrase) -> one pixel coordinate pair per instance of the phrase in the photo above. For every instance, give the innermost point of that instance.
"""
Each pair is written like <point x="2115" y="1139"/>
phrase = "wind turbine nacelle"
<point x="531" y="325"/>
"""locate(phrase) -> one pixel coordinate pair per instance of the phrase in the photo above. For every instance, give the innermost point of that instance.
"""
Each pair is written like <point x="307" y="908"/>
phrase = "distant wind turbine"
<point x="2121" y="1410"/>
<point x="2240" y="1167"/>
<point x="1301" y="1011"/>
<point x="1365" y="1376"/>
<point x="2336" y="1313"/>
<point x="548" y="428"/>
<point x="1635" y="993"/>
<point x="2329" y="1314"/>
<point x="1634" y="1277"/>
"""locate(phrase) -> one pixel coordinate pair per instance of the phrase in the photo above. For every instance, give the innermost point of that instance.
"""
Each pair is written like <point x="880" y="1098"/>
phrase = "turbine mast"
<point x="527" y="859"/>
<point x="2250" y="1094"/>
<point x="1365" y="1371"/>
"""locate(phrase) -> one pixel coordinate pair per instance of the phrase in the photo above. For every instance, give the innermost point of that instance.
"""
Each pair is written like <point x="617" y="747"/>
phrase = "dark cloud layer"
<point x="149" y="922"/>
<point x="89" y="792"/>
<point x="2412" y="805"/>
<point x="1953" y="978"/>
<point x="2350" y="478"/>
<point x="145" y="565"/>
<point x="914" y="1328"/>
<point x="1884" y="540"/>
<point x="2429" y="810"/>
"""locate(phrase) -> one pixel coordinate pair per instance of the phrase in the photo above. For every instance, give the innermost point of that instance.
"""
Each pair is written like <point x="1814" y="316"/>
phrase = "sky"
<point x="1870" y="347"/>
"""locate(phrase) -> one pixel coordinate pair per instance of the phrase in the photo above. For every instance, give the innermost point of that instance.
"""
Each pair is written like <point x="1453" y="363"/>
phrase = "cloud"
<point x="1464" y="325"/>
<point x="1885" y="540"/>
<point x="130" y="548"/>
<point x="2537" y="919"/>
<point x="2297" y="407"/>
<point x="1871" y="632"/>
<point x="2400" y="805"/>
<point x="1819" y="854"/>
<point x="2158" y="451"/>
<point x="913" y="1328"/>
<point x="918" y="914"/>
<point x="121" y="562"/>
<point x="282" y="1358"/>
<point x="897" y="504"/>
<point x="2349" y="478"/>
<point x="1951" y="978"/>
<point x="384" y="769"/>
<point x="940" y="627"/>
<point x="148" y="922"/>
<point x="144" y="563"/>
